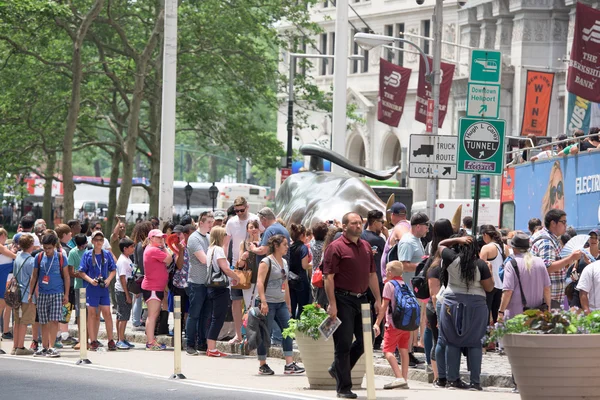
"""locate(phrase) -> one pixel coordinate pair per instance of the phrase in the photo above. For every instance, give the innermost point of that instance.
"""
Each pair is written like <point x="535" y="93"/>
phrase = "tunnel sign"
<point x="481" y="146"/>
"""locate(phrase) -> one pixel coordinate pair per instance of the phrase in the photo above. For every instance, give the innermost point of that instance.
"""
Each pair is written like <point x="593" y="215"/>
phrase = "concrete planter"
<point x="317" y="356"/>
<point x="565" y="367"/>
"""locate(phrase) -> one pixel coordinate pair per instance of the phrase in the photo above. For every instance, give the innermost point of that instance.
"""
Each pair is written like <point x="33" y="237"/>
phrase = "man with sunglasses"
<point x="236" y="234"/>
<point x="545" y="244"/>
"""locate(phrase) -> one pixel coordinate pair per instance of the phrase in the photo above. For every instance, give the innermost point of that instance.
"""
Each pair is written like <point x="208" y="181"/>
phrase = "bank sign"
<point x="481" y="146"/>
<point x="568" y="183"/>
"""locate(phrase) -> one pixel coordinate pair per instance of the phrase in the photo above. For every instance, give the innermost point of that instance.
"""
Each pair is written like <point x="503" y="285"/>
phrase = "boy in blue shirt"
<point x="52" y="276"/>
<point x="97" y="270"/>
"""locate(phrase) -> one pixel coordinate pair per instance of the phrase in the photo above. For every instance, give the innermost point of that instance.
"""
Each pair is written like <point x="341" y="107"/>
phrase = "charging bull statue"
<point x="314" y="196"/>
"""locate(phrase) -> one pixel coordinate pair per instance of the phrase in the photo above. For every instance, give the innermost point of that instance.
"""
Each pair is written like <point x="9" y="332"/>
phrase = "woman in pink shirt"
<point x="156" y="260"/>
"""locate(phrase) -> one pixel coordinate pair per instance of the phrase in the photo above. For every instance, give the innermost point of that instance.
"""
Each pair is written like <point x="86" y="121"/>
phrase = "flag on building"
<point x="424" y="91"/>
<point x="393" y="84"/>
<point x="538" y="95"/>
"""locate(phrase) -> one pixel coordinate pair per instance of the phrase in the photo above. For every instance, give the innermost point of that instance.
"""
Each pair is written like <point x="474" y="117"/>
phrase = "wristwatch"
<point x="501" y="312"/>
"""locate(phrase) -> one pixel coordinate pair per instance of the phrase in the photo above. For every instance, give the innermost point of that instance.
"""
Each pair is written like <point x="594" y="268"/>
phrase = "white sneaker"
<point x="397" y="383"/>
<point x="52" y="353"/>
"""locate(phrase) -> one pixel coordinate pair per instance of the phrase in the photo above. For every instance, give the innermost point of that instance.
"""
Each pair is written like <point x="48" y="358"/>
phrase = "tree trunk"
<point x="47" y="207"/>
<point x="134" y="115"/>
<point x="112" y="193"/>
<point x="74" y="106"/>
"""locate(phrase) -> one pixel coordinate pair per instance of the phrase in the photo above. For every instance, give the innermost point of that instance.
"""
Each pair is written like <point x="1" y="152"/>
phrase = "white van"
<point x="489" y="209"/>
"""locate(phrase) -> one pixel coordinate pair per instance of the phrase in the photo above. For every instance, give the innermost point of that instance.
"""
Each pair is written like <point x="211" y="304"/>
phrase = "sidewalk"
<point x="241" y="372"/>
<point x="495" y="369"/>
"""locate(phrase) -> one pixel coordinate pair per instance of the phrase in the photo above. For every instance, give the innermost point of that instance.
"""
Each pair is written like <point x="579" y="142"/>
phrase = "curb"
<point x="416" y="374"/>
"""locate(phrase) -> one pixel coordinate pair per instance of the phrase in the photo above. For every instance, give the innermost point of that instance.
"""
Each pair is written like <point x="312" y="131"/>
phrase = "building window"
<point x="331" y="51"/>
<point x="400" y="35"/>
<point x="323" y="48"/>
<point x="389" y="53"/>
<point x="425" y="31"/>
<point x="395" y="56"/>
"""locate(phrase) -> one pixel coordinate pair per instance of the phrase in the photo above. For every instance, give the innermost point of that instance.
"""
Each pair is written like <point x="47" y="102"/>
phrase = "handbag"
<point x="317" y="277"/>
<point x="162" y="323"/>
<point x="134" y="283"/>
<point x="294" y="281"/>
<point x="542" y="307"/>
<point x="214" y="278"/>
<point x="244" y="277"/>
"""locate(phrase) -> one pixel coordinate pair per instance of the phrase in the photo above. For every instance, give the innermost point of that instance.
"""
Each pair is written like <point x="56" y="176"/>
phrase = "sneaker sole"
<point x="266" y="373"/>
<point x="193" y="354"/>
<point x="293" y="372"/>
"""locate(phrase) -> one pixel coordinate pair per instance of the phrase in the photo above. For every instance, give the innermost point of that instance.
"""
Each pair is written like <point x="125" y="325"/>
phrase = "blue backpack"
<point x="407" y="313"/>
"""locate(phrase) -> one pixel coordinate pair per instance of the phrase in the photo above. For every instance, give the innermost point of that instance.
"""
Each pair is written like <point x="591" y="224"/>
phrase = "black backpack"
<point x="419" y="281"/>
<point x="393" y="253"/>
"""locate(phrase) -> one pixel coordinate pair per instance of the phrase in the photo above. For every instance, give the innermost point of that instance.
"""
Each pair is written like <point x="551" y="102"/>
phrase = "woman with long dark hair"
<point x="140" y="238"/>
<point x="493" y="251"/>
<point x="442" y="229"/>
<point x="299" y="268"/>
<point x="464" y="315"/>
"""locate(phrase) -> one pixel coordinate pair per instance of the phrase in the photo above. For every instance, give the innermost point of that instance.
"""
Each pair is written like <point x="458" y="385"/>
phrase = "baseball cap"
<point x="267" y="213"/>
<point x="219" y="215"/>
<point x="418" y="219"/>
<point x="155" y="233"/>
<point x="178" y="229"/>
<point x="97" y="233"/>
<point x="398" y="208"/>
<point x="595" y="231"/>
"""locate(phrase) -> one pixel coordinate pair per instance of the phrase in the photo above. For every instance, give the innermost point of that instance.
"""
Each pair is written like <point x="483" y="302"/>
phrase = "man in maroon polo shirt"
<point x="349" y="270"/>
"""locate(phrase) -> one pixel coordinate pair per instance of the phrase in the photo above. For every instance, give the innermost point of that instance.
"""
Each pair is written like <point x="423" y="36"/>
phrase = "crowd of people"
<point x="471" y="283"/>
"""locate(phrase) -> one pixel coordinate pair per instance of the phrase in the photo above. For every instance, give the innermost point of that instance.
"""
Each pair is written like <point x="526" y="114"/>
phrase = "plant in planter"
<point x="316" y="352"/>
<point x="553" y="354"/>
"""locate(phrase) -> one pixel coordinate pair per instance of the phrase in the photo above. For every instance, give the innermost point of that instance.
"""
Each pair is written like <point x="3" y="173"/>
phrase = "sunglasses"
<point x="239" y="210"/>
<point x="97" y="228"/>
<point x="556" y="192"/>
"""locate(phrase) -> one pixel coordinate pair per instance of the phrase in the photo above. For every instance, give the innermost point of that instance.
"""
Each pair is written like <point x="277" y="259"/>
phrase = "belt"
<point x="348" y="293"/>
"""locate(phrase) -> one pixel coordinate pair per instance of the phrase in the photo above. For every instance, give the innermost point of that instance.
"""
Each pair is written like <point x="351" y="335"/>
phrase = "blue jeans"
<point x="428" y="340"/>
<point x="440" y="350"/>
<point x="136" y="312"/>
<point x="474" y="355"/>
<point x="279" y="313"/>
<point x="198" y="315"/>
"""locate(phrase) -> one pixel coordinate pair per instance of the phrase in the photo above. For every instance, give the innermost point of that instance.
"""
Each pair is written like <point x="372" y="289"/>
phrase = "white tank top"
<point x="496" y="264"/>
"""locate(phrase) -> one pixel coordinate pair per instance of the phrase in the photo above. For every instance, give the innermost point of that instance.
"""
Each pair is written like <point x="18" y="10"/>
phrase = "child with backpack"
<point x="402" y="317"/>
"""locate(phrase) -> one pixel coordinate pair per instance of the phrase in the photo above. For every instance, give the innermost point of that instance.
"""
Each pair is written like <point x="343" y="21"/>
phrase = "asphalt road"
<point x="29" y="379"/>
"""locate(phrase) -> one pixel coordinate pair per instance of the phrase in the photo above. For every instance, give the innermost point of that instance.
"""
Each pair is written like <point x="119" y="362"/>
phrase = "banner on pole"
<point x="393" y="84"/>
<point x="538" y="95"/>
<point x="578" y="113"/>
<point x="424" y="91"/>
<point x="584" y="76"/>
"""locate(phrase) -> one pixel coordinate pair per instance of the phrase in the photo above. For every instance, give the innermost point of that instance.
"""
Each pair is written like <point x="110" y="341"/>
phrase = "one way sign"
<point x="432" y="156"/>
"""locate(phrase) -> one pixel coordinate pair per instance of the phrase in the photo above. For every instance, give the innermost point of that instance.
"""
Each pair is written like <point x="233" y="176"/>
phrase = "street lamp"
<point x="213" y="192"/>
<point x="188" y="189"/>
<point x="368" y="41"/>
<point x="290" y="118"/>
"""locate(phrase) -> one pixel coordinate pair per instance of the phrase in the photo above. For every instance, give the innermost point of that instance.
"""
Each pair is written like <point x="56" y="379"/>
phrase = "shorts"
<point x="123" y="308"/>
<point x="28" y="311"/>
<point x="395" y="338"/>
<point x="237" y="294"/>
<point x="97" y="297"/>
<point x="5" y="270"/>
<point x="49" y="307"/>
<point x="153" y="295"/>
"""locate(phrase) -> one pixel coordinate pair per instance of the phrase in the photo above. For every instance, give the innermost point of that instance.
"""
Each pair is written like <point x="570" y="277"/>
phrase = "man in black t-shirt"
<point x="372" y="234"/>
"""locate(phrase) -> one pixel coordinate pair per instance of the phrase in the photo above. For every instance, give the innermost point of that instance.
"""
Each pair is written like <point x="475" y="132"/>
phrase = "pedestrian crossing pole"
<point x="177" y="339"/>
<point x="83" y="360"/>
<point x="368" y="345"/>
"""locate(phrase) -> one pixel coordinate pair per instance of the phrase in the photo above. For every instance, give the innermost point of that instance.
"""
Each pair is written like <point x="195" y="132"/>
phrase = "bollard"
<point x="83" y="360"/>
<point x="177" y="339"/>
<point x="368" y="345"/>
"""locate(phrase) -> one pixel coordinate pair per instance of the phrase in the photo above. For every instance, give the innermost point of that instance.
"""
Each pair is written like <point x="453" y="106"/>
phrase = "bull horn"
<point x="456" y="219"/>
<point x="318" y="151"/>
<point x="388" y="214"/>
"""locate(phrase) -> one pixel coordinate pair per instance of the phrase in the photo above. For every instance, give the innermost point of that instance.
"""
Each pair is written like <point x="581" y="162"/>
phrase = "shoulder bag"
<point x="214" y="278"/>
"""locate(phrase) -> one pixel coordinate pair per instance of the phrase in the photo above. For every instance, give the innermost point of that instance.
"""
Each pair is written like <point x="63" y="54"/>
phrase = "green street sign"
<point x="486" y="66"/>
<point x="481" y="146"/>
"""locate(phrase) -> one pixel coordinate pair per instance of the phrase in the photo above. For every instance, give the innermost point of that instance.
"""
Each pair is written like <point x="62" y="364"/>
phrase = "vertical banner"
<point x="538" y="94"/>
<point x="429" y="119"/>
<point x="578" y="113"/>
<point x="393" y="84"/>
<point x="424" y="91"/>
<point x="584" y="76"/>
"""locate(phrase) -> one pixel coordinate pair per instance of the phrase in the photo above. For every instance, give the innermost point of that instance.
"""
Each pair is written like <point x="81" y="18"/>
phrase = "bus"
<point x="256" y="196"/>
<point x="489" y="209"/>
<point x="570" y="183"/>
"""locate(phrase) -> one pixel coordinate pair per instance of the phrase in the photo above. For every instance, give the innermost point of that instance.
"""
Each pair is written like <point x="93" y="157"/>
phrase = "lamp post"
<point x="367" y="40"/>
<point x="188" y="189"/>
<point x="213" y="192"/>
<point x="290" y="117"/>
